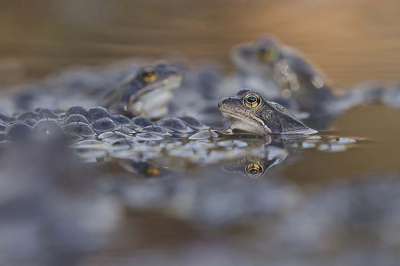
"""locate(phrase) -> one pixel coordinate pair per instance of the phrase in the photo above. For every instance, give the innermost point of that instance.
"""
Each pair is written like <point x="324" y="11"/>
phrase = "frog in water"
<point x="249" y="111"/>
<point x="294" y="76"/>
<point x="146" y="93"/>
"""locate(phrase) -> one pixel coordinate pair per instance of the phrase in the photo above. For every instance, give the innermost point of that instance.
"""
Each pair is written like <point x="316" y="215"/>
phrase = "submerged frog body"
<point x="296" y="78"/>
<point x="146" y="93"/>
<point x="249" y="111"/>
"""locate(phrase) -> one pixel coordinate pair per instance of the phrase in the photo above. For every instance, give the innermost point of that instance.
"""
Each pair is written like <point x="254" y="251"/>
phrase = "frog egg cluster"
<point x="93" y="123"/>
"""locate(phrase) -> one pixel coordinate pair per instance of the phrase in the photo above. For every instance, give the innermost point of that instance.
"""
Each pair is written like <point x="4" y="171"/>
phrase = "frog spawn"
<point x="98" y="134"/>
<point x="106" y="131"/>
<point x="123" y="138"/>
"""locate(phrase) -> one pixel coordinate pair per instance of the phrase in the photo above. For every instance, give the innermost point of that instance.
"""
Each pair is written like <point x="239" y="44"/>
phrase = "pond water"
<point x="213" y="198"/>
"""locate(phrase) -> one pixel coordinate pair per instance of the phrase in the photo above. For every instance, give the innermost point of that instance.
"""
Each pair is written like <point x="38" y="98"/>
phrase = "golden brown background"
<point x="351" y="40"/>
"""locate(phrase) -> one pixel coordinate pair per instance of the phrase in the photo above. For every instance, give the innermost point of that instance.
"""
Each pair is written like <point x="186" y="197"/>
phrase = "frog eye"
<point x="152" y="171"/>
<point x="252" y="100"/>
<point x="267" y="53"/>
<point x="254" y="170"/>
<point x="149" y="74"/>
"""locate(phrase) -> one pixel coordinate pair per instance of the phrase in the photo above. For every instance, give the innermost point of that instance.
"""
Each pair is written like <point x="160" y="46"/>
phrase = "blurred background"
<point x="326" y="207"/>
<point x="350" y="40"/>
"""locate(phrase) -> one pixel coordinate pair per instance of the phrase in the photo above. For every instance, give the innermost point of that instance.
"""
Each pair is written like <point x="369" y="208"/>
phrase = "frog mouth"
<point x="234" y="116"/>
<point x="249" y="124"/>
<point x="303" y="131"/>
<point x="245" y="123"/>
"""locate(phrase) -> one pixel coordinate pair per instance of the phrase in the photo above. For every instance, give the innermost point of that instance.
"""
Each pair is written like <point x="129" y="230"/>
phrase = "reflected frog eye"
<point x="252" y="100"/>
<point x="149" y="74"/>
<point x="152" y="171"/>
<point x="267" y="53"/>
<point x="254" y="170"/>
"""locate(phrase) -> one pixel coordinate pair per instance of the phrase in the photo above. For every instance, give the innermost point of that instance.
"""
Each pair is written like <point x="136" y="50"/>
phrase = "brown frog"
<point x="249" y="111"/>
<point x="146" y="93"/>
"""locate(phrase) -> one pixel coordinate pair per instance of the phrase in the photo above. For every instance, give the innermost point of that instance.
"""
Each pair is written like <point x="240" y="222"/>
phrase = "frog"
<point x="249" y="111"/>
<point x="146" y="93"/>
<point x="293" y="74"/>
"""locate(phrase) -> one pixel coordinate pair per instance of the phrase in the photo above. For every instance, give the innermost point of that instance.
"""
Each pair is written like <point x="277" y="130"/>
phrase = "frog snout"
<point x="224" y="101"/>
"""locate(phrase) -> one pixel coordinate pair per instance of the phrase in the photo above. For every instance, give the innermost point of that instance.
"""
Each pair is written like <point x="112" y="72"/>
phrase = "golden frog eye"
<point x="252" y="100"/>
<point x="149" y="74"/>
<point x="267" y="53"/>
<point x="254" y="170"/>
<point x="152" y="171"/>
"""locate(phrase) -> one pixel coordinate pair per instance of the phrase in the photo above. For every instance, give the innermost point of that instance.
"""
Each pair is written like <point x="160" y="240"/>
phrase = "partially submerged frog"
<point x="146" y="93"/>
<point x="291" y="72"/>
<point x="249" y="111"/>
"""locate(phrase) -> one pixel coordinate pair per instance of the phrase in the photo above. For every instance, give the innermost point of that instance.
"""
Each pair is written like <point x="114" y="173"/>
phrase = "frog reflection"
<point x="146" y="169"/>
<point x="255" y="167"/>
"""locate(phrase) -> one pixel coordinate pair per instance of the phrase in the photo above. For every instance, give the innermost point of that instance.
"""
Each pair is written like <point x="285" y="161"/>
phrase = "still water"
<point x="351" y="41"/>
<point x="330" y="199"/>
